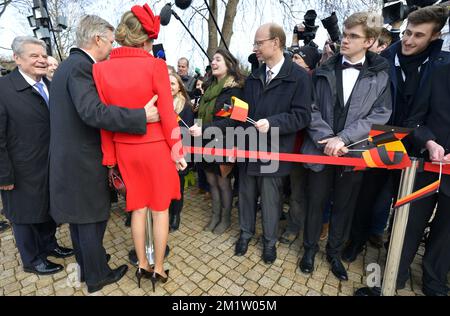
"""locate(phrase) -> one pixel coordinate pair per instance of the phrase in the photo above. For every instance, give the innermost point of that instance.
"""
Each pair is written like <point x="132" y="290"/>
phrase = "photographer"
<point x="306" y="32"/>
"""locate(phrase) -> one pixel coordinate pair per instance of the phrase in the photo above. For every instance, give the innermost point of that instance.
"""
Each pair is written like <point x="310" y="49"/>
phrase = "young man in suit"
<point x="432" y="139"/>
<point x="352" y="93"/>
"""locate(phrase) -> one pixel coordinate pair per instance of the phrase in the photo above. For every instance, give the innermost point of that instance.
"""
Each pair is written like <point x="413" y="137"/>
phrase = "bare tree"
<point x="3" y="5"/>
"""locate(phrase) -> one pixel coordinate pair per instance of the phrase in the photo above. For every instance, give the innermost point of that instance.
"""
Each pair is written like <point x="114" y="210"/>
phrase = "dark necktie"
<point x="346" y="65"/>
<point x="269" y="76"/>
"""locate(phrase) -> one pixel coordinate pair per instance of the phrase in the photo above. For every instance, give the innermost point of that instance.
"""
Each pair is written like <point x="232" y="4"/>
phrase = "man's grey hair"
<point x="20" y="41"/>
<point x="89" y="27"/>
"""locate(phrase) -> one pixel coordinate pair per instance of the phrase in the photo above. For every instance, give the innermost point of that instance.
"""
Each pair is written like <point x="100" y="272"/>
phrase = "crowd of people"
<point x="66" y="130"/>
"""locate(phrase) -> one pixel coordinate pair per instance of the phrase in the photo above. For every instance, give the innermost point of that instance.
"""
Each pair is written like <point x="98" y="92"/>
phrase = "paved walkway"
<point x="200" y="264"/>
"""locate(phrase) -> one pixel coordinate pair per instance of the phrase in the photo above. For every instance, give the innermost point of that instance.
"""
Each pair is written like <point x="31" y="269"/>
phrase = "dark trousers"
<point x="35" y="241"/>
<point x="177" y="205"/>
<point x="297" y="200"/>
<point x="343" y="188"/>
<point x="270" y="190"/>
<point x="436" y="260"/>
<point x="375" y="182"/>
<point x="87" y="240"/>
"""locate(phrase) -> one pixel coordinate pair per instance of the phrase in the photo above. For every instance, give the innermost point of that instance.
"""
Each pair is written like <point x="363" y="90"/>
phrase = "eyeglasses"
<point x="258" y="44"/>
<point x="352" y="36"/>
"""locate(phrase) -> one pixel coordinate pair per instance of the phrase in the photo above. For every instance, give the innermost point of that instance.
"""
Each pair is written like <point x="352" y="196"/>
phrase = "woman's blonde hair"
<point x="130" y="31"/>
<point x="179" y="100"/>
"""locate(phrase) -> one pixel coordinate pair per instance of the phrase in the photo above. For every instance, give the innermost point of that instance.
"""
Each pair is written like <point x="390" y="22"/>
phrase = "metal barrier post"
<point x="149" y="248"/>
<point x="398" y="231"/>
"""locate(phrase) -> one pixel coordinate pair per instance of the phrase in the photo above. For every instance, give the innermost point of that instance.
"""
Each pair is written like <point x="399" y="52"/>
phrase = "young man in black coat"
<point x="24" y="146"/>
<point x="432" y="138"/>
<point x="279" y="95"/>
<point x="79" y="193"/>
<point x="411" y="61"/>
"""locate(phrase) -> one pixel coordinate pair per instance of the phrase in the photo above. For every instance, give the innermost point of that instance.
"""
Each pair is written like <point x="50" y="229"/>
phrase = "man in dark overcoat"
<point x="432" y="139"/>
<point x="24" y="146"/>
<point x="79" y="193"/>
<point x="279" y="95"/>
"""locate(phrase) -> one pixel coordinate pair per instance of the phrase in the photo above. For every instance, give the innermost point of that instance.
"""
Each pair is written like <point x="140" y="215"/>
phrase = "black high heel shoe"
<point x="155" y="278"/>
<point x="142" y="273"/>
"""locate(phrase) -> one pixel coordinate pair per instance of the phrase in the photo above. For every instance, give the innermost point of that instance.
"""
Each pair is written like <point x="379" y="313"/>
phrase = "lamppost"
<point x="42" y="25"/>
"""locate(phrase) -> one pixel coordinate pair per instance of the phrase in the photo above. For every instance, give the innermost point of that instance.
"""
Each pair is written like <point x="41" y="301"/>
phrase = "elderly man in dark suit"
<point x="24" y="146"/>
<point x="79" y="192"/>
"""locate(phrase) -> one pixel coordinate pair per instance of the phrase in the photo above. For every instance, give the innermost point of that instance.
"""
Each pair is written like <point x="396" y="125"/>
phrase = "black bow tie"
<point x="346" y="65"/>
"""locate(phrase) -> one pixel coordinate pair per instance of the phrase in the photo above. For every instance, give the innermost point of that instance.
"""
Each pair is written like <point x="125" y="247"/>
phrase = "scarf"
<point x="208" y="101"/>
<point x="410" y="66"/>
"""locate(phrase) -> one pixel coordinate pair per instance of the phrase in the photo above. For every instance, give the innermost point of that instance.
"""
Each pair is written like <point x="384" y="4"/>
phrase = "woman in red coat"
<point x="148" y="163"/>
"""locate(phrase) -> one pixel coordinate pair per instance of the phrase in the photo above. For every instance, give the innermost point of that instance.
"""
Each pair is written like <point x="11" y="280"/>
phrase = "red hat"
<point x="149" y="21"/>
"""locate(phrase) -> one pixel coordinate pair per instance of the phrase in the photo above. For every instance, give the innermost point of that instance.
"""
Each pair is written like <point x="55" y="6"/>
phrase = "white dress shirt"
<point x="32" y="82"/>
<point x="275" y="69"/>
<point x="349" y="78"/>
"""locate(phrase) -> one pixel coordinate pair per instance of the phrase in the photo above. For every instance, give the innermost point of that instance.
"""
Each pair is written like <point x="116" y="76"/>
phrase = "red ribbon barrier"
<point x="300" y="158"/>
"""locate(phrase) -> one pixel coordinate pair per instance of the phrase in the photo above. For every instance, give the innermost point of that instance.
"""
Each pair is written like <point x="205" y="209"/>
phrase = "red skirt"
<point x="149" y="174"/>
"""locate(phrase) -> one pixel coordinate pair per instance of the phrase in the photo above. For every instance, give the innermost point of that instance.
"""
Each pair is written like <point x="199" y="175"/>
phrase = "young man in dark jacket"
<point x="432" y="138"/>
<point x="352" y="93"/>
<point x="279" y="95"/>
<point x="411" y="63"/>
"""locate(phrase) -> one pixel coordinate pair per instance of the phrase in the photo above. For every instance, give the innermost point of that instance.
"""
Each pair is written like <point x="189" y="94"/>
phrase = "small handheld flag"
<point x="382" y="134"/>
<point x="240" y="111"/>
<point x="179" y="119"/>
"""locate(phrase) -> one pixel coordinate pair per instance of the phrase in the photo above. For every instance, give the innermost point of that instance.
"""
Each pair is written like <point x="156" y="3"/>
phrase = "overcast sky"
<point x="176" y="41"/>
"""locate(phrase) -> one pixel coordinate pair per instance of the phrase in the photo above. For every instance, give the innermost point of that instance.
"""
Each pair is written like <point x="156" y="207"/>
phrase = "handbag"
<point x="115" y="180"/>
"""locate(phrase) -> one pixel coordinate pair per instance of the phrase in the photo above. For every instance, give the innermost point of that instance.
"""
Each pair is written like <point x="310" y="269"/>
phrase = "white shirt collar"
<point x="362" y="61"/>
<point x="277" y="68"/>
<point x="93" y="59"/>
<point x="30" y="80"/>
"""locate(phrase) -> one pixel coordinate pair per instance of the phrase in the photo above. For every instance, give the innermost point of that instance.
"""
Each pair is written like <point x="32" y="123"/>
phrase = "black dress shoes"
<point x="307" y="263"/>
<point x="269" y="254"/>
<point x="3" y="226"/>
<point x="82" y="279"/>
<point x="113" y="277"/>
<point x="61" y="252"/>
<point x="44" y="268"/>
<point x="352" y="251"/>
<point x="337" y="268"/>
<point x="241" y="247"/>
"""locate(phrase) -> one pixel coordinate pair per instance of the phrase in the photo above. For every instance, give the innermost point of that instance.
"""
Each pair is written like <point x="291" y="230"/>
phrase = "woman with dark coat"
<point x="226" y="81"/>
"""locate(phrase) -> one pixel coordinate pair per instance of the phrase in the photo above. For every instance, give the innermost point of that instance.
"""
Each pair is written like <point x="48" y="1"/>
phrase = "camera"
<point x="309" y="34"/>
<point x="332" y="27"/>
<point x="394" y="10"/>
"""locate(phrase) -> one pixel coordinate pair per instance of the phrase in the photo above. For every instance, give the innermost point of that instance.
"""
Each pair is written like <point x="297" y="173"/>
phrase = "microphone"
<point x="166" y="14"/>
<point x="161" y="55"/>
<point x="253" y="60"/>
<point x="183" y="4"/>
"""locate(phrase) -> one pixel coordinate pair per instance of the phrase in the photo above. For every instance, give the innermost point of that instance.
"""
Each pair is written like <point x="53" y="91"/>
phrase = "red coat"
<point x="142" y="76"/>
<point x="130" y="78"/>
